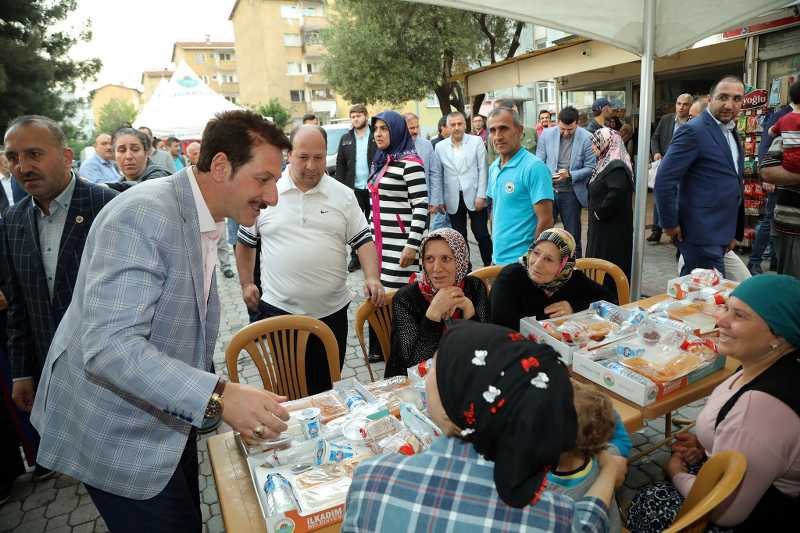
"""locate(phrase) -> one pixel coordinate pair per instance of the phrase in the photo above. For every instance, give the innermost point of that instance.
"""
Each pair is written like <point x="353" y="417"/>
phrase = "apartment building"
<point x="104" y="94"/>
<point x="151" y="79"/>
<point x="280" y="54"/>
<point x="213" y="62"/>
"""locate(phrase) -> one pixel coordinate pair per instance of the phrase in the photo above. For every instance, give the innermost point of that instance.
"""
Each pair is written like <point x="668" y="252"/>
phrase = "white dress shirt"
<point x="727" y="132"/>
<point x="209" y="234"/>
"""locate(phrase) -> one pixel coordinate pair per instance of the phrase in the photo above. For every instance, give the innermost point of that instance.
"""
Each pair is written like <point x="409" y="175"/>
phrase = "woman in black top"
<point x="443" y="291"/>
<point x="546" y="286"/>
<point x="610" y="234"/>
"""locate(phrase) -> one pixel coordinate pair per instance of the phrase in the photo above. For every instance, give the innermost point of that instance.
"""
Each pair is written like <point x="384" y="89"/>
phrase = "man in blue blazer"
<point x="699" y="185"/>
<point x="567" y="152"/>
<point x="463" y="170"/>
<point x="127" y="381"/>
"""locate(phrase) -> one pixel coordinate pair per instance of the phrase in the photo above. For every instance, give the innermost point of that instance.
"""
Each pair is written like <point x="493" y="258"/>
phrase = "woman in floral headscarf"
<point x="442" y="291"/>
<point x="399" y="198"/>
<point x="544" y="284"/>
<point x="611" y="203"/>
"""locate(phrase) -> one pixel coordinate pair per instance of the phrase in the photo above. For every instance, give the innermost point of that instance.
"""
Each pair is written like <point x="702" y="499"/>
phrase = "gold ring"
<point x="259" y="431"/>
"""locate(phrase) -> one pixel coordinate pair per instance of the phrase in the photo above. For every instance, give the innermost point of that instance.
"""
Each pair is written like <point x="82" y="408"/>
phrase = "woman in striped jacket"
<point x="399" y="199"/>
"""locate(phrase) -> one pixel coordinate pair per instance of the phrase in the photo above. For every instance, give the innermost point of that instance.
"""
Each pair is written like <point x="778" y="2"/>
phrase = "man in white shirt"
<point x="304" y="240"/>
<point x="463" y="169"/>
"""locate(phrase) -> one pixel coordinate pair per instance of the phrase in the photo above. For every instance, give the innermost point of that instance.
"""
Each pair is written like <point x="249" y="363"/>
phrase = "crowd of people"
<point x="112" y="313"/>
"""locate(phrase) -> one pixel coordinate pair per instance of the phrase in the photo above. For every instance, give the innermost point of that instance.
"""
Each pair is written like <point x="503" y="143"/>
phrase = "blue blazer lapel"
<point x="191" y="237"/>
<point x="716" y="134"/>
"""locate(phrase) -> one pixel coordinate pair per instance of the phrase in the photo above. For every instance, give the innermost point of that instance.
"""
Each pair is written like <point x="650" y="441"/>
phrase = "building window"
<point x="199" y="57"/>
<point x="431" y="101"/>
<point x="290" y="11"/>
<point x="538" y="44"/>
<point x="294" y="68"/>
<point x="231" y="99"/>
<point x="312" y="11"/>
<point x="312" y="37"/>
<point x="547" y="93"/>
<point x="291" y="39"/>
<point x="225" y="57"/>
<point x="321" y="94"/>
<point x="297" y="96"/>
<point x="204" y="78"/>
<point x="313" y="68"/>
<point x="228" y="78"/>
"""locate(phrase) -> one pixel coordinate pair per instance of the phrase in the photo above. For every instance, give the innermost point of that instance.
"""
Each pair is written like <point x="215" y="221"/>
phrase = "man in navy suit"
<point x="699" y="185"/>
<point x="41" y="242"/>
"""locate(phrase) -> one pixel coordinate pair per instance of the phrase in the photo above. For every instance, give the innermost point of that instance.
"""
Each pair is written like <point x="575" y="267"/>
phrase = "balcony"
<point x="316" y="79"/>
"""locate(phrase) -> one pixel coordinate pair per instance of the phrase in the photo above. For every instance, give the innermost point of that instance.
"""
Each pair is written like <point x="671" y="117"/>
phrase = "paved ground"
<point x="62" y="505"/>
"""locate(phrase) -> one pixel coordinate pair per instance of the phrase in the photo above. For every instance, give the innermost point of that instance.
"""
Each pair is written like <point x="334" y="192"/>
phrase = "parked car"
<point x="335" y="132"/>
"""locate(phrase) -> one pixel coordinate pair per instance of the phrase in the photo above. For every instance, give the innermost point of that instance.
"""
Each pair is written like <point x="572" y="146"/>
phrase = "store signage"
<point x="755" y="98"/>
<point x="760" y="27"/>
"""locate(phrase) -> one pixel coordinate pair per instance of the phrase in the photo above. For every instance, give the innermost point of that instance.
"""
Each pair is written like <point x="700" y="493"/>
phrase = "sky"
<point x="130" y="37"/>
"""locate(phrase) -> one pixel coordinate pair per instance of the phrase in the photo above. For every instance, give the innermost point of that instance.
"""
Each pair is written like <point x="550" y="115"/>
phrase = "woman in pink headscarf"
<point x="611" y="202"/>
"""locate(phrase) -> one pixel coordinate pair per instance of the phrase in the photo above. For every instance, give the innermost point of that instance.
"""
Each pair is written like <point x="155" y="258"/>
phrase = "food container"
<point x="329" y="452"/>
<point x="309" y="419"/>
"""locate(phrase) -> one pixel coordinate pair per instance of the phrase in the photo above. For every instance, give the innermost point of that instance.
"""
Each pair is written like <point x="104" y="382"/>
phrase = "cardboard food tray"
<point x="531" y="326"/>
<point x="290" y="520"/>
<point x="641" y="391"/>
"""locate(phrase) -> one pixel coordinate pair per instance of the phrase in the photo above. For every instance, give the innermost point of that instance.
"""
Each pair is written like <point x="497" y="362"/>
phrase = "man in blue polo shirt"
<point x="100" y="167"/>
<point x="520" y="187"/>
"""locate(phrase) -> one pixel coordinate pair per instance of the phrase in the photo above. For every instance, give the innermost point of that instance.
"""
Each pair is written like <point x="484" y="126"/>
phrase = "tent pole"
<point x="646" y="87"/>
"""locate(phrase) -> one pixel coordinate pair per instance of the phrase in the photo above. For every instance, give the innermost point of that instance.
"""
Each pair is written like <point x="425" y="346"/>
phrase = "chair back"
<point x="719" y="477"/>
<point x="597" y="269"/>
<point x="277" y="346"/>
<point x="380" y="318"/>
<point x="487" y="275"/>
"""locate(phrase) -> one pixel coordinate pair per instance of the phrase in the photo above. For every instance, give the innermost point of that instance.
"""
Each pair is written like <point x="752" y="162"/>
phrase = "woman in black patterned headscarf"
<point x="544" y="284"/>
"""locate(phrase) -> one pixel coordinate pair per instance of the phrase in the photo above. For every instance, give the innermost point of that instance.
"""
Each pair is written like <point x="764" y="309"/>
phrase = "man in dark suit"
<point x="699" y="185"/>
<point x="356" y="149"/>
<point x="41" y="243"/>
<point x="661" y="140"/>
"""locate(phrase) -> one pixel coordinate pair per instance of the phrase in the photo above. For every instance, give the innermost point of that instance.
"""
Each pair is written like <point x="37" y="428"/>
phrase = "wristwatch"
<point x="214" y="407"/>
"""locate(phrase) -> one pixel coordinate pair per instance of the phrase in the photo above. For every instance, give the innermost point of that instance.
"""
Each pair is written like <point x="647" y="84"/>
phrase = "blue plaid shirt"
<point x="450" y="487"/>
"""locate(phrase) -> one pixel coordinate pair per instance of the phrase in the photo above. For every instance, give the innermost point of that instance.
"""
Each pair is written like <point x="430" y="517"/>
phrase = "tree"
<point x="37" y="75"/>
<point x="279" y="114"/>
<point x="113" y="115"/>
<point x="393" y="51"/>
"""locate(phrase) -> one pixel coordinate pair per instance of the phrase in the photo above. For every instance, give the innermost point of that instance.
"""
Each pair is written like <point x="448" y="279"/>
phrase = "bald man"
<point x="100" y="168"/>
<point x="661" y="140"/>
<point x="304" y="241"/>
<point x="193" y="152"/>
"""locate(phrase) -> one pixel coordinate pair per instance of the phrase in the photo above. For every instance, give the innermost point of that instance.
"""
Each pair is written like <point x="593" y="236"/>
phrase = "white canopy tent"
<point x="182" y="106"/>
<point x="648" y="28"/>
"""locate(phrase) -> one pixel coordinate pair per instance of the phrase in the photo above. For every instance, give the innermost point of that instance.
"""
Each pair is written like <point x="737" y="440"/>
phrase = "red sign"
<point x="760" y="27"/>
<point x="755" y="98"/>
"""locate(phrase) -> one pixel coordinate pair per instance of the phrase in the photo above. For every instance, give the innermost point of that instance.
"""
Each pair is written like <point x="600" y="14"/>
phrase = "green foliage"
<point x="394" y="51"/>
<point x="36" y="72"/>
<point x="280" y="115"/>
<point x="113" y="115"/>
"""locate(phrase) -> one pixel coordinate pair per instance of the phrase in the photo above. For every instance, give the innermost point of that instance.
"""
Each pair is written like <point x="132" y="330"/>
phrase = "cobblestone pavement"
<point x="62" y="505"/>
